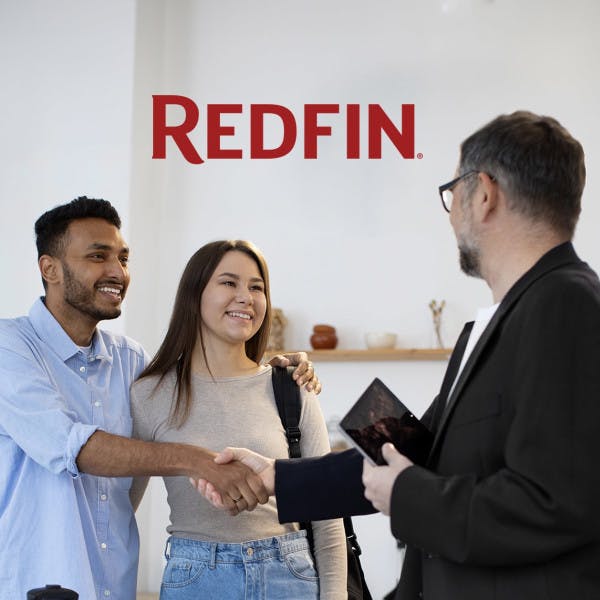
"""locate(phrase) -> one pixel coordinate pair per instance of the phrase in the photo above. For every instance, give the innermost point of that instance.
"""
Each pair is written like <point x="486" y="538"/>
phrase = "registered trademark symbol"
<point x="420" y="155"/>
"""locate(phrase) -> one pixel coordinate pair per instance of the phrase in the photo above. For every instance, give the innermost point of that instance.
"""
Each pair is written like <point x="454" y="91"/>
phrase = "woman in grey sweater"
<point x="206" y="386"/>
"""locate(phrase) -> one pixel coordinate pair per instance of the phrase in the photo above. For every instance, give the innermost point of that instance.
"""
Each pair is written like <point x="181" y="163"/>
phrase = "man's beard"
<point x="82" y="298"/>
<point x="468" y="257"/>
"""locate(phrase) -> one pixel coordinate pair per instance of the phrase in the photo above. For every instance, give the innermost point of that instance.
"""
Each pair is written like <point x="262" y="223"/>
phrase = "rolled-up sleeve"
<point x="34" y="414"/>
<point x="78" y="436"/>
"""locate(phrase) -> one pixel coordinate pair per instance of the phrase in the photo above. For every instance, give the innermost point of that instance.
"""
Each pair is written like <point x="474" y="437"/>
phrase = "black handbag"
<point x="52" y="592"/>
<point x="287" y="397"/>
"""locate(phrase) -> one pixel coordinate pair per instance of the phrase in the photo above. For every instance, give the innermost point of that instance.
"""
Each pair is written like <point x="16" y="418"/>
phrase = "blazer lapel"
<point x="555" y="258"/>
<point x="451" y="372"/>
<point x="468" y="368"/>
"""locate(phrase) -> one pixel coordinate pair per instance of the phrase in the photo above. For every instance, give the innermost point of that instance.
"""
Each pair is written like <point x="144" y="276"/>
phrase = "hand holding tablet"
<point x="377" y="417"/>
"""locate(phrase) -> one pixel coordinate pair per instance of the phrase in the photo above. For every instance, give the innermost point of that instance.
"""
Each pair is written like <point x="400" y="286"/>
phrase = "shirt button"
<point x="82" y="369"/>
<point x="249" y="551"/>
<point x="103" y="497"/>
<point x="103" y="546"/>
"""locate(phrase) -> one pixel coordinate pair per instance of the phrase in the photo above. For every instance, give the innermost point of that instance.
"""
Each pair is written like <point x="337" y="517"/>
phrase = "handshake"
<point x="251" y="482"/>
<point x="242" y="479"/>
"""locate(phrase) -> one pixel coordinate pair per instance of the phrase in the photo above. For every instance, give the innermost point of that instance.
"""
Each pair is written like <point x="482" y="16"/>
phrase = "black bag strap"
<point x="287" y="397"/>
<point x="351" y="536"/>
<point x="289" y="405"/>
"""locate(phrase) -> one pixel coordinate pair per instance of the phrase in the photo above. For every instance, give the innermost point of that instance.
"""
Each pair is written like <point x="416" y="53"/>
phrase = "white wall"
<point x="65" y="113"/>
<point x="336" y="230"/>
<point x="361" y="244"/>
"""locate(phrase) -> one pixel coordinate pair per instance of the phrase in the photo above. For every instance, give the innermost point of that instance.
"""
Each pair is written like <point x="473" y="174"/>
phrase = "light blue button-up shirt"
<point x="58" y="525"/>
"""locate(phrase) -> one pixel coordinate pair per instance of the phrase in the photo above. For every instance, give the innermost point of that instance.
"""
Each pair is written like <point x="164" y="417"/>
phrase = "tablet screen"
<point x="377" y="417"/>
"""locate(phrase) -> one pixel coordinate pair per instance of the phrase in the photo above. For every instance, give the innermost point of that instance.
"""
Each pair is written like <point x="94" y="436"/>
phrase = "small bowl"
<point x="380" y="340"/>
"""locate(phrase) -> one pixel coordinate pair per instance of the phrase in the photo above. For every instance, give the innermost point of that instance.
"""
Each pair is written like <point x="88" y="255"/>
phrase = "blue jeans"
<point x="277" y="568"/>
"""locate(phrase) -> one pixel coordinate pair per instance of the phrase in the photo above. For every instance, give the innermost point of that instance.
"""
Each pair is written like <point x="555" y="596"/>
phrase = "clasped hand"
<point x="260" y="482"/>
<point x="378" y="481"/>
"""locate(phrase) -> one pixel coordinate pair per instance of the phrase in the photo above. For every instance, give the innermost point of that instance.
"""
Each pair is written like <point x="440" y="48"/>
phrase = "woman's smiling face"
<point x="233" y="304"/>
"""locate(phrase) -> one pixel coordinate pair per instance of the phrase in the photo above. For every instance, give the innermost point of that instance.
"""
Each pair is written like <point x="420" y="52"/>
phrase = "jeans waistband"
<point x="213" y="552"/>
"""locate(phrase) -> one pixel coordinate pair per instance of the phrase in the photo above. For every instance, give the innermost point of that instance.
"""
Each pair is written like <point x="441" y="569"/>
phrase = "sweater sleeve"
<point x="329" y="536"/>
<point x="141" y="431"/>
<point x="139" y="397"/>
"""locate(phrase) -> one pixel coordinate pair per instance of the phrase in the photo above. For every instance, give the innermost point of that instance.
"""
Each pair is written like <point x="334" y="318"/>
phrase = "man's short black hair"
<point x="51" y="227"/>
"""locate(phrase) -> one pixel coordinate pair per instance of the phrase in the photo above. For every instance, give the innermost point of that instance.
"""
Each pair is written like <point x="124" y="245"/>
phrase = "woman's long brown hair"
<point x="175" y="352"/>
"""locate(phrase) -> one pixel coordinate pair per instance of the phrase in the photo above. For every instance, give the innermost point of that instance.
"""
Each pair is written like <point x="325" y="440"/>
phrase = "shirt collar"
<point x="50" y="331"/>
<point x="99" y="349"/>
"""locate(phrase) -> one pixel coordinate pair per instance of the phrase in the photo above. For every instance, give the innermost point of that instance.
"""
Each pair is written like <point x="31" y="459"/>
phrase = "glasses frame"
<point x="451" y="184"/>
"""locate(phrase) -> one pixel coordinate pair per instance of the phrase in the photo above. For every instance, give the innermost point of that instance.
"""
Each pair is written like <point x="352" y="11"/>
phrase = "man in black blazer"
<point x="507" y="506"/>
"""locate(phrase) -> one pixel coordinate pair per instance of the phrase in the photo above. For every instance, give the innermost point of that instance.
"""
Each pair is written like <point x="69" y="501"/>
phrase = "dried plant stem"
<point x="436" y="312"/>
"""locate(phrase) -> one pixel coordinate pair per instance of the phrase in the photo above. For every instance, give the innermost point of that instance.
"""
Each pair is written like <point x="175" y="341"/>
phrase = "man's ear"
<point x="489" y="196"/>
<point x="50" y="268"/>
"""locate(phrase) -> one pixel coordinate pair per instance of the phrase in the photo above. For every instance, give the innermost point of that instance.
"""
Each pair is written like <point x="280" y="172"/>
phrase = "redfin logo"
<point x="379" y="123"/>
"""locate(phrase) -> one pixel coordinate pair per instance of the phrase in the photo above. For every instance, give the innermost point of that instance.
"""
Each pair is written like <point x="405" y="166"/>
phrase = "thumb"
<point x="390" y="454"/>
<point x="252" y="460"/>
<point x="227" y="455"/>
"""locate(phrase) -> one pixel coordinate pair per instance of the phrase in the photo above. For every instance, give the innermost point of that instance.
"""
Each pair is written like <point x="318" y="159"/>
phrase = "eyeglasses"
<point x="445" y="190"/>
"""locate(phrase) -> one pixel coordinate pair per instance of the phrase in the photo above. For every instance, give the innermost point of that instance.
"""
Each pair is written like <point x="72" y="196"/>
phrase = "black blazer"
<point x="507" y="507"/>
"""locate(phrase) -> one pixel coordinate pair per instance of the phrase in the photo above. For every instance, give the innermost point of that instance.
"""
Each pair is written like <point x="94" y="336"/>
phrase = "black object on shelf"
<point x="52" y="592"/>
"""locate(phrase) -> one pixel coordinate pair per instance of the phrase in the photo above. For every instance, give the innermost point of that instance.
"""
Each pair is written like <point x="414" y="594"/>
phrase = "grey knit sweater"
<point x="241" y="412"/>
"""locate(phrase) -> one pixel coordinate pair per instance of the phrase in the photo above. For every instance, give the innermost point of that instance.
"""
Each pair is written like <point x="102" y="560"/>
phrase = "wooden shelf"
<point x="338" y="355"/>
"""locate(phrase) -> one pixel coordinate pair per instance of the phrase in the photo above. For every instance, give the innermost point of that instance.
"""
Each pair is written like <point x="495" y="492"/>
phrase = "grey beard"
<point x="469" y="261"/>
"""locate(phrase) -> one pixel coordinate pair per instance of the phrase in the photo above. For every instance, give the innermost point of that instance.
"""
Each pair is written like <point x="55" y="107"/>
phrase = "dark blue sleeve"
<point x="325" y="487"/>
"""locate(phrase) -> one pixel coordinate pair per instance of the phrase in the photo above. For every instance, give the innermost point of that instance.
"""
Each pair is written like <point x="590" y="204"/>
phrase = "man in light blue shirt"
<point x="56" y="523"/>
<point x="65" y="455"/>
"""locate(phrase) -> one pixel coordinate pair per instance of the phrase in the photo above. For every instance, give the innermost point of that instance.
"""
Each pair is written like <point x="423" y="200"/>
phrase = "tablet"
<point x="377" y="417"/>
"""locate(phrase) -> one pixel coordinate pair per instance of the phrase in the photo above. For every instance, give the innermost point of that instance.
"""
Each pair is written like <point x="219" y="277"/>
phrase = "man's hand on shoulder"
<point x="304" y="373"/>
